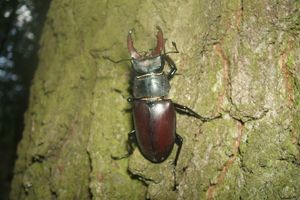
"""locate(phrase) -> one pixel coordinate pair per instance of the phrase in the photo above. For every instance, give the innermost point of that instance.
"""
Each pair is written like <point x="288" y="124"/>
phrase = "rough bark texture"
<point x="239" y="59"/>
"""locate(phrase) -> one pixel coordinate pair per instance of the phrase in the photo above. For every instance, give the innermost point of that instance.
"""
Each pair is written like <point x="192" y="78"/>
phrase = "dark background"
<point x="21" y="24"/>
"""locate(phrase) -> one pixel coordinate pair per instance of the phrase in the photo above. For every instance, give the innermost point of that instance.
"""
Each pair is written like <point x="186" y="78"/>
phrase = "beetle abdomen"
<point x="155" y="124"/>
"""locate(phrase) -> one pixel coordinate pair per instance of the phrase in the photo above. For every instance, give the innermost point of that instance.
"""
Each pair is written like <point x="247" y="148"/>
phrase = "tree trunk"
<point x="238" y="59"/>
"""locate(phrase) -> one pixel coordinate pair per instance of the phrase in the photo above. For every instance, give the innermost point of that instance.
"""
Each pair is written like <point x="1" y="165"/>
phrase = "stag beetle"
<point x="153" y="113"/>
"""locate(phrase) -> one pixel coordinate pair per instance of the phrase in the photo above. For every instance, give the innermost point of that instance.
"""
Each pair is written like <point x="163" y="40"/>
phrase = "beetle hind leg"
<point x="131" y="140"/>
<point x="187" y="111"/>
<point x="178" y="142"/>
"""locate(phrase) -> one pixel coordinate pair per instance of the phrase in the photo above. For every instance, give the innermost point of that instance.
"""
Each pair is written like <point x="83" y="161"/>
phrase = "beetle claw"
<point x="159" y="44"/>
<point x="134" y="54"/>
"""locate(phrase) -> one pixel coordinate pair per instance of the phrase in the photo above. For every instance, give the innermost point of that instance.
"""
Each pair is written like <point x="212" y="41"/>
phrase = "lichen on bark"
<point x="237" y="59"/>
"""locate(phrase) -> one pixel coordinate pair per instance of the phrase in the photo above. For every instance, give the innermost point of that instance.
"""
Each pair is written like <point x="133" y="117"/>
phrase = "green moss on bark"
<point x="238" y="60"/>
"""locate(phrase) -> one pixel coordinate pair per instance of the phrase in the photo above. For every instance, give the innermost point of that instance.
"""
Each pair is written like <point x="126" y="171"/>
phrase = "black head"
<point x="150" y="62"/>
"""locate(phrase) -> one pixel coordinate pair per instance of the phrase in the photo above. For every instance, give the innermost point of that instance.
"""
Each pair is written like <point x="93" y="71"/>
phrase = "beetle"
<point x="153" y="112"/>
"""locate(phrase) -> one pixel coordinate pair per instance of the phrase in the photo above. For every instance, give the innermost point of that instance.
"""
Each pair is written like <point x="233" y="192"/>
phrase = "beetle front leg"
<point x="171" y="62"/>
<point x="131" y="140"/>
<point x="172" y="66"/>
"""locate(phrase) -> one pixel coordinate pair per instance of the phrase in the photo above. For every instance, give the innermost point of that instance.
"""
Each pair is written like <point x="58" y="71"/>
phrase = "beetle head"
<point x="156" y="51"/>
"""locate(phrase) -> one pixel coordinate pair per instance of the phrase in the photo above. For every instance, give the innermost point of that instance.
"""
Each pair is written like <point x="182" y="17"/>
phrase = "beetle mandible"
<point x="153" y="113"/>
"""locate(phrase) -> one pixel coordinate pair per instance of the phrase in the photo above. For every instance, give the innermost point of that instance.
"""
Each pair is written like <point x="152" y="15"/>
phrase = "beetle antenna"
<point x="115" y="61"/>
<point x="176" y="50"/>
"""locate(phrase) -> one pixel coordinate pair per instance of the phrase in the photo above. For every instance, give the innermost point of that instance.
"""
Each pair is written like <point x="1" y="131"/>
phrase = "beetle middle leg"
<point x="131" y="140"/>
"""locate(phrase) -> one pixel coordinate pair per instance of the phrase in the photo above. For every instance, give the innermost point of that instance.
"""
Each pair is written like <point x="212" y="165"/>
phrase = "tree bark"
<point x="238" y="59"/>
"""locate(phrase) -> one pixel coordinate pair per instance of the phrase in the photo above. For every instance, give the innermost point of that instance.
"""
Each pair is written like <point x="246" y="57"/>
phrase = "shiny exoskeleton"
<point x="153" y="113"/>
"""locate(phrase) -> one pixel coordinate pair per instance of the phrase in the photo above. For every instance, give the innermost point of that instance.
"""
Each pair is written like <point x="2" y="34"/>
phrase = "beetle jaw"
<point x="154" y="53"/>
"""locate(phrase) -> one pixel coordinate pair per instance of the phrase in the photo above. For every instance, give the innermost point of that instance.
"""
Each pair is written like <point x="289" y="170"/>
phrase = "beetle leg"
<point x="187" y="111"/>
<point x="172" y="66"/>
<point x="131" y="140"/>
<point x="171" y="62"/>
<point x="178" y="142"/>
